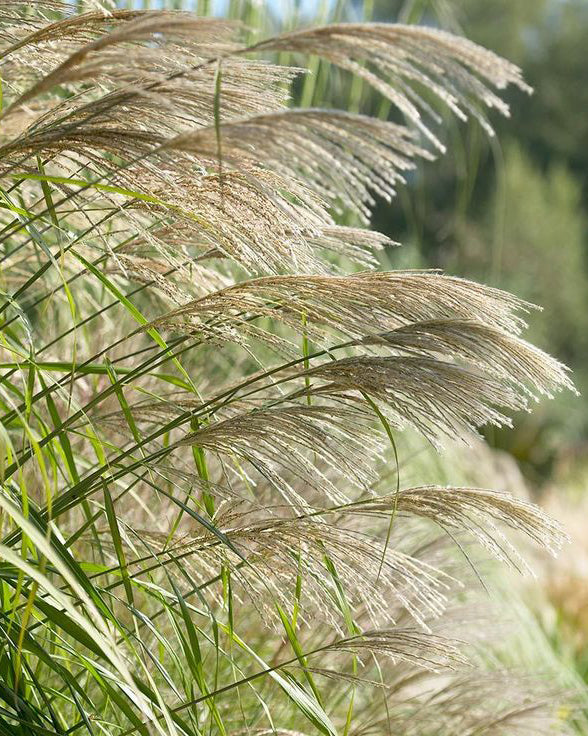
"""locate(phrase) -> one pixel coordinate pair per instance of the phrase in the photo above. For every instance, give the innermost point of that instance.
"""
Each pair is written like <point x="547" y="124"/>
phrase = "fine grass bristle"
<point x="203" y="376"/>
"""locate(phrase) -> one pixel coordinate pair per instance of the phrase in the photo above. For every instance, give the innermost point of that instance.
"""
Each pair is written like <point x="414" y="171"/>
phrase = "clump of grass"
<point x="192" y="540"/>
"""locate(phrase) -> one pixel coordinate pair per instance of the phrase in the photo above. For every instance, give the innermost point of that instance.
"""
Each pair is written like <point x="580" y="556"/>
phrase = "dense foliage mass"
<point x="204" y="373"/>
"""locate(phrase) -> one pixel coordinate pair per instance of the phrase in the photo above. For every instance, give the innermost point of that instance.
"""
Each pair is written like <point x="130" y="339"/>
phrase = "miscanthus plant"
<point x="203" y="378"/>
